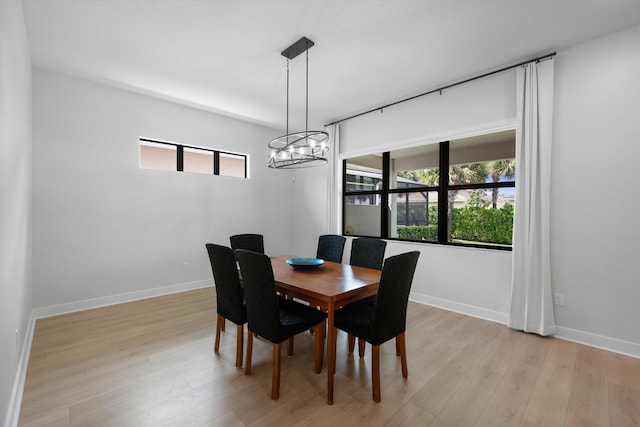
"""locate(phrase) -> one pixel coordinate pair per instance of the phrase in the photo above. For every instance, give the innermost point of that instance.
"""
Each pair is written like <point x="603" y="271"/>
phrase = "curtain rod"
<point x="449" y="86"/>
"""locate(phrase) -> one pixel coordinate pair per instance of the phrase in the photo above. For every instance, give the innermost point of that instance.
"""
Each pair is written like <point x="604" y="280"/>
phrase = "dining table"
<point x="330" y="286"/>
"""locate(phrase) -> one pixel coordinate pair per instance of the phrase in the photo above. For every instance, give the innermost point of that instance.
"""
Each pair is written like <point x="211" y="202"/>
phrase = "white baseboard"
<point x="469" y="310"/>
<point x="13" y="413"/>
<point x="54" y="310"/>
<point x="615" y="345"/>
<point x="599" y="341"/>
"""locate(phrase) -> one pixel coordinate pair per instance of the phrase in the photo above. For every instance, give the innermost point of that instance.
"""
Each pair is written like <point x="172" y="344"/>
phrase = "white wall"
<point x="476" y="106"/>
<point x="103" y="227"/>
<point x="15" y="202"/>
<point x="310" y="204"/>
<point x="595" y="157"/>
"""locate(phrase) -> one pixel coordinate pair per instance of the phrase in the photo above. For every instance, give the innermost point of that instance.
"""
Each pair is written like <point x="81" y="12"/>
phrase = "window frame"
<point x="216" y="156"/>
<point x="442" y="189"/>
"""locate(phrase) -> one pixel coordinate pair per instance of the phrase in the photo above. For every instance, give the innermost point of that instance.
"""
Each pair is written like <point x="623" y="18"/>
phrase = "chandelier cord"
<point x="306" y="120"/>
<point x="287" y="96"/>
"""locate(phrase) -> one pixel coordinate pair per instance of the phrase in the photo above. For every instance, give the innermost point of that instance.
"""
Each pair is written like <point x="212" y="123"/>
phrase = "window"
<point x="402" y="194"/>
<point x="157" y="156"/>
<point x="183" y="158"/>
<point x="197" y="161"/>
<point x="233" y="165"/>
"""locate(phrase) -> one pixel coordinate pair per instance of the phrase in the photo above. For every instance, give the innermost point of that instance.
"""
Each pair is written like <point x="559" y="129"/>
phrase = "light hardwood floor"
<point x="151" y="363"/>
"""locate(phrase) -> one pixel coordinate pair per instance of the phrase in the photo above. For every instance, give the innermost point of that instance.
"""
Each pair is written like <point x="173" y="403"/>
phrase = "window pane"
<point x="415" y="215"/>
<point x="362" y="215"/>
<point x="158" y="156"/>
<point x="415" y="167"/>
<point x="232" y="165"/>
<point x="473" y="219"/>
<point x="364" y="173"/>
<point x="198" y="161"/>
<point x="486" y="158"/>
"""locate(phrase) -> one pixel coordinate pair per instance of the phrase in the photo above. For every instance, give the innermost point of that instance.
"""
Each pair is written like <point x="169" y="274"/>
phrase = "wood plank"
<point x="624" y="408"/>
<point x="550" y="397"/>
<point x="410" y="415"/>
<point x="445" y="384"/>
<point x="508" y="402"/>
<point x="589" y="396"/>
<point x="467" y="404"/>
<point x="623" y="370"/>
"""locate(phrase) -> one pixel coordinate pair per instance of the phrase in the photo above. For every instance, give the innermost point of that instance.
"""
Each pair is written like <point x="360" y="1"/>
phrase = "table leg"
<point x="331" y="352"/>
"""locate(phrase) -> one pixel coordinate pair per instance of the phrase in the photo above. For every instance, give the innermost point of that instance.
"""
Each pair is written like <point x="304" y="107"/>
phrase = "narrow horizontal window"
<point x="162" y="155"/>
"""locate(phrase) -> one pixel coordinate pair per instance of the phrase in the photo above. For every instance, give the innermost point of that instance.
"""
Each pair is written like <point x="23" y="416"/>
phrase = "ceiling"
<point x="224" y="55"/>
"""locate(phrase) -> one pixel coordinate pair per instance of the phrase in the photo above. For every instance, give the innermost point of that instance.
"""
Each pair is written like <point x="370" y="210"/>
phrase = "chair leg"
<point x="402" y="345"/>
<point x="219" y="323"/>
<point x="397" y="347"/>
<point x="352" y="343"/>
<point x="247" y="362"/>
<point x="319" y="346"/>
<point x="223" y="323"/>
<point x="275" y="374"/>
<point x="375" y="372"/>
<point x="290" y="347"/>
<point x="239" y="343"/>
<point x="361" y="346"/>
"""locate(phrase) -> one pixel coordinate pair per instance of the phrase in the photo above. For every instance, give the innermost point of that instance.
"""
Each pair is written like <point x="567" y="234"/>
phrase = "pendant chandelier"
<point x="305" y="148"/>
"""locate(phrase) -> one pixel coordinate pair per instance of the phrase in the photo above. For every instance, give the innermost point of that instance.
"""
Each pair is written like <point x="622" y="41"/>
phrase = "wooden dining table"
<point x="329" y="287"/>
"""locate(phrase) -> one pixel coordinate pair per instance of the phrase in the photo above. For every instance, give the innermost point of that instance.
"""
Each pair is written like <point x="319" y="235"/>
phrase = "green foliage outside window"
<point x="483" y="225"/>
<point x="470" y="224"/>
<point x="418" y="232"/>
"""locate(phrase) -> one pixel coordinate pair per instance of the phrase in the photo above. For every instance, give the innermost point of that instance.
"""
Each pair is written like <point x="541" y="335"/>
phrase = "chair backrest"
<point x="368" y="252"/>
<point x="330" y="247"/>
<point x="263" y="311"/>
<point x="390" y="313"/>
<point x="250" y="242"/>
<point x="228" y="290"/>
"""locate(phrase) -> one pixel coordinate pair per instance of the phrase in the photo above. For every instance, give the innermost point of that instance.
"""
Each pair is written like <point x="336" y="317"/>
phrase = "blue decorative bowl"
<point x="305" y="263"/>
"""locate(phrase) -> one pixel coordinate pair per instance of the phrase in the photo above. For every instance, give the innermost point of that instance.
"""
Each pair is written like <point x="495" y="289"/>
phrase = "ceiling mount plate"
<point x="297" y="48"/>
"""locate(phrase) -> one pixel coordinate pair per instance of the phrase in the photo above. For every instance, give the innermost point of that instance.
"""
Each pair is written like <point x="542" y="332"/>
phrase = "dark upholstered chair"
<point x="229" y="294"/>
<point x="368" y="252"/>
<point x="385" y="319"/>
<point x="330" y="247"/>
<point x="250" y="242"/>
<point x="272" y="317"/>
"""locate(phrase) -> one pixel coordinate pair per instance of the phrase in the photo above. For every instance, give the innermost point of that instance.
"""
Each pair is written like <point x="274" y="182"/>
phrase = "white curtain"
<point x="334" y="177"/>
<point x="531" y="294"/>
